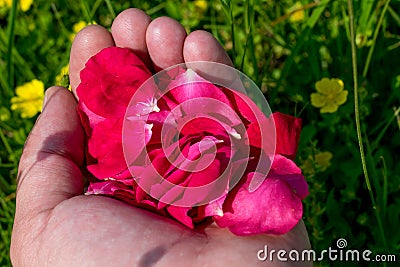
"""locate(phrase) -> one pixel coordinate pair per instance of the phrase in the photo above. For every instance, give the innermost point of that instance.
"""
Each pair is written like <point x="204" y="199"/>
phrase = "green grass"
<point x="357" y="197"/>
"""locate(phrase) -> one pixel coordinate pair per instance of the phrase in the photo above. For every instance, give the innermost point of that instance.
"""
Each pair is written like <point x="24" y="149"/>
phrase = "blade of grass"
<point x="374" y="38"/>
<point x="301" y="110"/>
<point x="95" y="7"/>
<point x="85" y="11"/>
<point x="8" y="147"/>
<point x="394" y="15"/>
<point x="397" y="116"/>
<point x="357" y="117"/>
<point x="214" y="22"/>
<point x="372" y="167"/>
<point x="110" y="9"/>
<point x="249" y="19"/>
<point x="393" y="46"/>
<point x="155" y="9"/>
<point x="10" y="45"/>
<point x="58" y="17"/>
<point x="365" y="17"/>
<point x="242" y="61"/>
<point x="264" y="70"/>
<point x="7" y="165"/>
<point x="17" y="59"/>
<point x="227" y="6"/>
<point x="299" y="44"/>
<point x="385" y="185"/>
<point x="382" y="132"/>
<point x="247" y="27"/>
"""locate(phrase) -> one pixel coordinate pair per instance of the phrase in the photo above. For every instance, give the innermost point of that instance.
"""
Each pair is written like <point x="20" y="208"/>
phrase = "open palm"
<point x="56" y="225"/>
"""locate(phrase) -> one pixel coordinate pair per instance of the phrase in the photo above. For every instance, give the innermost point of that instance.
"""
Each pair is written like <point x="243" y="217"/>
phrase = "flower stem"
<point x="357" y="117"/>
<point x="371" y="50"/>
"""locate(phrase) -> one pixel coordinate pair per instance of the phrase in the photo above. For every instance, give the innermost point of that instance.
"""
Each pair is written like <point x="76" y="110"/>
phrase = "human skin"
<point x="57" y="225"/>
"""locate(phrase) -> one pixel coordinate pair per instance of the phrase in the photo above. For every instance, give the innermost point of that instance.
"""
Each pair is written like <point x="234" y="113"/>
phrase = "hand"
<point x="56" y="225"/>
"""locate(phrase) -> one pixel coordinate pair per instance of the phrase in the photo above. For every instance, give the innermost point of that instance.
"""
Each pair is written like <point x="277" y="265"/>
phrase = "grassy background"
<point x="285" y="58"/>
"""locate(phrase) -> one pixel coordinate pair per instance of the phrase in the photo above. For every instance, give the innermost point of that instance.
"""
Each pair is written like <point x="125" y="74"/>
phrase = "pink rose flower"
<point x="188" y="149"/>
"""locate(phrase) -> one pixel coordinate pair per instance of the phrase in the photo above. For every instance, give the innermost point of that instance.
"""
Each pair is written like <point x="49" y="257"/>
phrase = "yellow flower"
<point x="7" y="3"/>
<point x="320" y="162"/>
<point x="29" y="99"/>
<point x="79" y="26"/>
<point x="201" y="5"/>
<point x="25" y="5"/>
<point x="297" y="12"/>
<point x="62" y="78"/>
<point x="330" y="95"/>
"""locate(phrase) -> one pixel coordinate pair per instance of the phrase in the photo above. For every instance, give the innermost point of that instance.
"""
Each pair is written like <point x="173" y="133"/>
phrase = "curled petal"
<point x="288" y="171"/>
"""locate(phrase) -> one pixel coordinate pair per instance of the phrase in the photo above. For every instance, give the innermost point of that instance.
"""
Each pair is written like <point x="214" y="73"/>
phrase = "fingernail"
<point x="46" y="98"/>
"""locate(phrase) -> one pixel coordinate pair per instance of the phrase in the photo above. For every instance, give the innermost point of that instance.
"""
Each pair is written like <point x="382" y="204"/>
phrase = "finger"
<point x="129" y="30"/>
<point x="49" y="167"/>
<point x="87" y="43"/>
<point x="202" y="46"/>
<point x="165" y="38"/>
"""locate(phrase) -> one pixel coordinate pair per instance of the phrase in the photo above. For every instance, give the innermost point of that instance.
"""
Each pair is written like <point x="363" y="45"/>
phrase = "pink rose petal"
<point x="287" y="134"/>
<point x="272" y="209"/>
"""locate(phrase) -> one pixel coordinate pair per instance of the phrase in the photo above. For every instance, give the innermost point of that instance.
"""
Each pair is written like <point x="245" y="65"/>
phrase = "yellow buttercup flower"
<point x="29" y="99"/>
<point x="201" y="5"/>
<point x="62" y="78"/>
<point x="7" y="3"/>
<point x="319" y="162"/>
<point x="25" y="5"/>
<point x="330" y="95"/>
<point x="298" y="12"/>
<point x="78" y="26"/>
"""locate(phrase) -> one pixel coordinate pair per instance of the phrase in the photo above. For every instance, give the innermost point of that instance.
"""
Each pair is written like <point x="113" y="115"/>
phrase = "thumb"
<point x="49" y="167"/>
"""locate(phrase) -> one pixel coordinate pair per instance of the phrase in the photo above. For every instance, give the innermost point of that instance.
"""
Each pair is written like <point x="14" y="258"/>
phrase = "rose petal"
<point x="272" y="209"/>
<point x="288" y="130"/>
<point x="189" y="85"/>
<point x="105" y="145"/>
<point x="181" y="214"/>
<point x="112" y="188"/>
<point x="288" y="171"/>
<point x="109" y="80"/>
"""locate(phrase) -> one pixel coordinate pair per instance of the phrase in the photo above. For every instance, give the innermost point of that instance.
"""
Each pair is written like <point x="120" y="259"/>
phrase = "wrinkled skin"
<point x="56" y="225"/>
